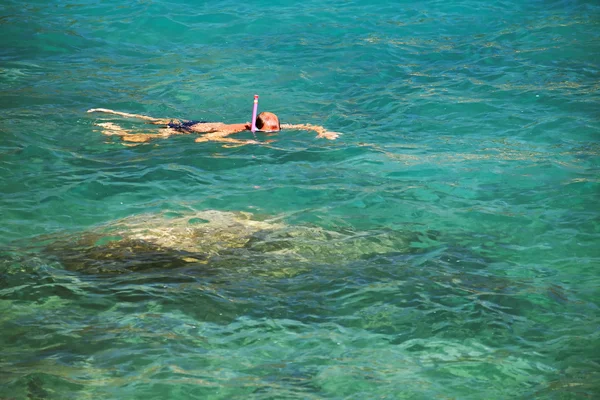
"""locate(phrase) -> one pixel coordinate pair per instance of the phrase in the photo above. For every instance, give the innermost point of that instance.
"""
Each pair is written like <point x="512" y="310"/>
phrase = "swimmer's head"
<point x="266" y="121"/>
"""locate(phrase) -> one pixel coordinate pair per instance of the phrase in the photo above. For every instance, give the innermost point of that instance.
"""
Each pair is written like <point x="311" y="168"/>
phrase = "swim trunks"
<point x="184" y="126"/>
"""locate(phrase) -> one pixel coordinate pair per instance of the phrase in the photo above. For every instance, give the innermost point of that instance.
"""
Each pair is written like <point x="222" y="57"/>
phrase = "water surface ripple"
<point x="445" y="246"/>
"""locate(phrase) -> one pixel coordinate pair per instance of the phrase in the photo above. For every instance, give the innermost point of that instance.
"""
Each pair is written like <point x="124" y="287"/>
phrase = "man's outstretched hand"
<point x="328" y="135"/>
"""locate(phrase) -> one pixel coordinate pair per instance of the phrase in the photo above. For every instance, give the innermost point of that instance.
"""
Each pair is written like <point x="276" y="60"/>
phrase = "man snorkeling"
<point x="212" y="131"/>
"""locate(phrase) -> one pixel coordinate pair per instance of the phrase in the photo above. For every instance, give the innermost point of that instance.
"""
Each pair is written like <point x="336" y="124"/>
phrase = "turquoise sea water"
<point x="446" y="246"/>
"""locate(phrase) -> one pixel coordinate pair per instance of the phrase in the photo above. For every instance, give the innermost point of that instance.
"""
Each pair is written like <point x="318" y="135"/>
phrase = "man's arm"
<point x="321" y="132"/>
<point x="223" y="139"/>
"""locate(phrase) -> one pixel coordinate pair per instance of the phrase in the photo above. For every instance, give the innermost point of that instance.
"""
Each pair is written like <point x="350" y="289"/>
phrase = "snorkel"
<point x="253" y="128"/>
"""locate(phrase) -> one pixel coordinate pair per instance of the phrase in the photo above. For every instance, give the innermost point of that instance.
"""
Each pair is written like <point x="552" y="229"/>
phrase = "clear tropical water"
<point x="461" y="200"/>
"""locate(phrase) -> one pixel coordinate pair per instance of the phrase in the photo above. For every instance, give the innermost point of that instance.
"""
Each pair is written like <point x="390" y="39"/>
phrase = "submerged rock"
<point x="214" y="239"/>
